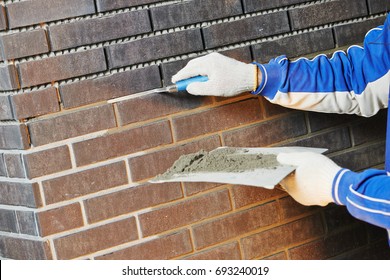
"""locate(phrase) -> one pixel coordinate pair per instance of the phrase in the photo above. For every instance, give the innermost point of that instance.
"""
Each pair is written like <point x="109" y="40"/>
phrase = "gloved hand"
<point x="311" y="184"/>
<point x="227" y="76"/>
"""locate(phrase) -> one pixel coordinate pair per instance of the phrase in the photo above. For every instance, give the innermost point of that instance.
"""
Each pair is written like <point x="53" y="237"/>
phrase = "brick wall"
<point x="74" y="170"/>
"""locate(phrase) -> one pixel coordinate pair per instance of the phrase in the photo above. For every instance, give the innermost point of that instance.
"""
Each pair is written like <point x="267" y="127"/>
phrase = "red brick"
<point x="24" y="44"/>
<point x="156" y="105"/>
<point x="123" y="143"/>
<point x="245" y="195"/>
<point x="14" y="136"/>
<point x="155" y="47"/>
<point x="131" y="199"/>
<point x="60" y="219"/>
<point x="94" y="30"/>
<point x="35" y="103"/>
<point x="217" y="119"/>
<point x="47" y="162"/>
<point x="330" y="246"/>
<point x="96" y="239"/>
<point x="84" y="182"/>
<point x="111" y="86"/>
<point x="289" y="208"/>
<point x="192" y="188"/>
<point x="51" y="69"/>
<point x="3" y="18"/>
<point x="163" y="248"/>
<point x="234" y="225"/>
<point x="20" y="194"/>
<point x="15" y="166"/>
<point x="267" y="133"/>
<point x="71" y="125"/>
<point x="106" y="5"/>
<point x="19" y="248"/>
<point x="225" y="252"/>
<point x="184" y="213"/>
<point x="273" y="240"/>
<point x="30" y="12"/>
<point x="152" y="164"/>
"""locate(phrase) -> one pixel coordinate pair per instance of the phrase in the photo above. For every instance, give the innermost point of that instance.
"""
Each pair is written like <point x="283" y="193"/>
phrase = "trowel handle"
<point x="182" y="85"/>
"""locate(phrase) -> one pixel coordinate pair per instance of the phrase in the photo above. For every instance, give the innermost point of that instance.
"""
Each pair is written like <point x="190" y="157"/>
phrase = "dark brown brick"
<point x="192" y="188"/>
<point x="289" y="208"/>
<point x="3" y="18"/>
<point x="23" y="44"/>
<point x="47" y="162"/>
<point x="338" y="218"/>
<point x="268" y="132"/>
<point x="163" y="248"/>
<point x="153" y="48"/>
<point x="20" y="194"/>
<point x="271" y="109"/>
<point x="186" y="13"/>
<point x="377" y="6"/>
<point x="108" y="87"/>
<point x="267" y="242"/>
<point x="370" y="129"/>
<point x="24" y="249"/>
<point x="216" y="119"/>
<point x="5" y="108"/>
<point x="255" y="5"/>
<point x="61" y="67"/>
<point x="84" y="182"/>
<point x="14" y="136"/>
<point x="96" y="239"/>
<point x="123" y="143"/>
<point x="245" y="29"/>
<point x="106" y="5"/>
<point x="245" y="195"/>
<point x="8" y="221"/>
<point x="184" y="213"/>
<point x="3" y="168"/>
<point x="60" y="219"/>
<point x="294" y="46"/>
<point x="157" y="105"/>
<point x="152" y="164"/>
<point x="335" y="140"/>
<point x="8" y="77"/>
<point x="234" y="225"/>
<point x="131" y="199"/>
<point x="225" y="252"/>
<point x="94" y="30"/>
<point x="330" y="246"/>
<point x="353" y="33"/>
<point x="27" y="223"/>
<point x="30" y="12"/>
<point x="362" y="158"/>
<point x="322" y="13"/>
<point x="15" y="166"/>
<point x="320" y="121"/>
<point x="35" y="103"/>
<point x="71" y="125"/>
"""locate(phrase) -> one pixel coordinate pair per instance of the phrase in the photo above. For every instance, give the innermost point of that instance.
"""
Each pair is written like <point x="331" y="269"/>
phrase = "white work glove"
<point x="311" y="184"/>
<point x="227" y="76"/>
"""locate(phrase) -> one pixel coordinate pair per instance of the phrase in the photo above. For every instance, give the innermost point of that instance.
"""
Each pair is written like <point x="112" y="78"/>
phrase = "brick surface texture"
<point x="74" y="168"/>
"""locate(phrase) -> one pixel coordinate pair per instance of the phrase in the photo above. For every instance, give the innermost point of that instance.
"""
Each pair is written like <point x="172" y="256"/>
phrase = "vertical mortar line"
<point x="72" y="156"/>
<point x="128" y="171"/>
<point x="83" y="213"/>
<point x="42" y="193"/>
<point x="53" y="249"/>
<point x="307" y="122"/>
<point x="116" y="115"/>
<point x="192" y="239"/>
<point x="96" y="6"/>
<point x="138" y="223"/>
<point x="173" y="134"/>
<point x="17" y="222"/>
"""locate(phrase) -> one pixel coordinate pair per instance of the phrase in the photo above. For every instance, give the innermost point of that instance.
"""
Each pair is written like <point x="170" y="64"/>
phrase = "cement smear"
<point x="220" y="160"/>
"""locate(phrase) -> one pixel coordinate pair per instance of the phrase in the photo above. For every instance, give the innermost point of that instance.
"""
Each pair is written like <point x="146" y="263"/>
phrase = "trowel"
<point x="259" y="177"/>
<point x="177" y="87"/>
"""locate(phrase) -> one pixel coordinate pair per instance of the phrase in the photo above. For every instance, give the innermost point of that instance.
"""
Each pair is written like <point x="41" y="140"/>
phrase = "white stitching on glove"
<point x="227" y="76"/>
<point x="311" y="184"/>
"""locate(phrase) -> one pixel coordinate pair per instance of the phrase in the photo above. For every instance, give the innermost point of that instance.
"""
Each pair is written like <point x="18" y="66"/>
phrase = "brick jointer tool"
<point x="177" y="87"/>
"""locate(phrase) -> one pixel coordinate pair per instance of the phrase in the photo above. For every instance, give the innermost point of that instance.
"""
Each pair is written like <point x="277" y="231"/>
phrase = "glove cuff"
<point x="247" y="75"/>
<point x="340" y="187"/>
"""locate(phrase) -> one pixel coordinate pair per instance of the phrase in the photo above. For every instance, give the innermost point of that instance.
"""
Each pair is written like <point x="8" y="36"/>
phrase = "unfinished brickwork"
<point x="74" y="169"/>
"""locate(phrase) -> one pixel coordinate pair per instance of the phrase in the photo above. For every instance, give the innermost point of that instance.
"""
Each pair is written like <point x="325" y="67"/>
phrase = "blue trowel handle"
<point x="182" y="85"/>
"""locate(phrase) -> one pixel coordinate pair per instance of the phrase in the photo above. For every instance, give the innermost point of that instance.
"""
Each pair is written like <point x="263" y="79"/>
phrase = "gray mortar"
<point x="220" y="160"/>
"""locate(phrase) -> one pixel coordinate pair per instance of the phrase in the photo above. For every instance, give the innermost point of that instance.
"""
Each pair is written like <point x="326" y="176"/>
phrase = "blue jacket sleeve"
<point x="366" y="195"/>
<point x="356" y="82"/>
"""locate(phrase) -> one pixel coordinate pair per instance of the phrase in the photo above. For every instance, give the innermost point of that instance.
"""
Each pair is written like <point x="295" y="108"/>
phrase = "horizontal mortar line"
<point x="22" y="235"/>
<point x="186" y="56"/>
<point x="17" y="208"/>
<point x="355" y="148"/>
<point x="85" y="17"/>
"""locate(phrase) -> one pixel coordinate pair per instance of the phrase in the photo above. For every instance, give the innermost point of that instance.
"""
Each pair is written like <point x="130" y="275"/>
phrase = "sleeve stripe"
<point x="377" y="218"/>
<point x="336" y="186"/>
